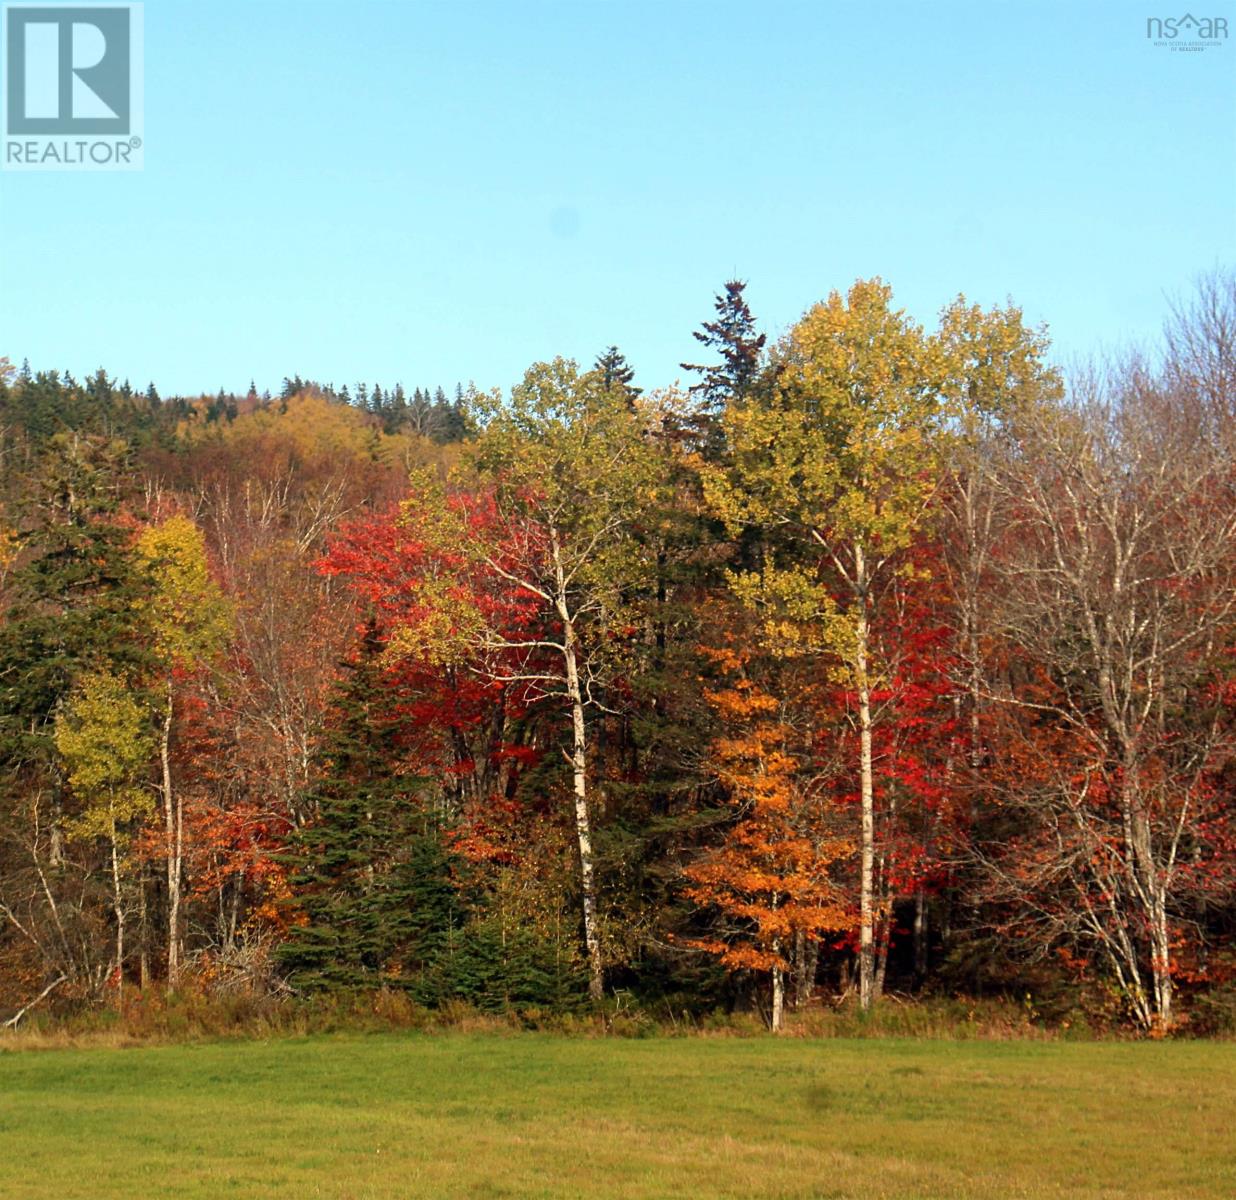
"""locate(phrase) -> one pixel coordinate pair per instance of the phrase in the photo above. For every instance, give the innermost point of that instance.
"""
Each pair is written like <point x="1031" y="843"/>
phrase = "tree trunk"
<point x="971" y="621"/>
<point x="1154" y="902"/>
<point x="798" y="967"/>
<point x="144" y="957"/>
<point x="920" y="935"/>
<point x="55" y="851"/>
<point x="845" y="978"/>
<point x="583" y="827"/>
<point x="778" y="994"/>
<point x="866" y="951"/>
<point x="173" y="846"/>
<point x="1160" y="961"/>
<point x="813" y="965"/>
<point x="1146" y="891"/>
<point x="883" y="935"/>
<point x="807" y="958"/>
<point x="118" y="909"/>
<point x="233" y="925"/>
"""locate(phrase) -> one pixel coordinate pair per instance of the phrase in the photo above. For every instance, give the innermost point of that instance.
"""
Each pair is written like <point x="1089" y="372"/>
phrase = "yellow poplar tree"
<point x="103" y="738"/>
<point x="835" y="466"/>
<point x="190" y="621"/>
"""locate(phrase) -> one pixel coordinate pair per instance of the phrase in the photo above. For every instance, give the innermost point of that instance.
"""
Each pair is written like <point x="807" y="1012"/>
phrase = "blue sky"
<point x="438" y="192"/>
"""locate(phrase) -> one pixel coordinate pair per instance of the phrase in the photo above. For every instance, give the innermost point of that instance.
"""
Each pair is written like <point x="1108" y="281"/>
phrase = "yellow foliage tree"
<point x="104" y="741"/>
<point x="189" y="620"/>
<point x="836" y="465"/>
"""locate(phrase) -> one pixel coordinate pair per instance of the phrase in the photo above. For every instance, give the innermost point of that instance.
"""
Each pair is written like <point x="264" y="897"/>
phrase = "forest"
<point x="871" y="660"/>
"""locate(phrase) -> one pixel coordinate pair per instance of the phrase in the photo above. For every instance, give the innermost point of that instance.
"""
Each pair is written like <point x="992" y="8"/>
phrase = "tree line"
<point x="877" y="657"/>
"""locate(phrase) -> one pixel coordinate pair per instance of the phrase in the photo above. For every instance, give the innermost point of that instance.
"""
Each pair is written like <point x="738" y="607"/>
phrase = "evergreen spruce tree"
<point x="616" y="373"/>
<point x="449" y="421"/>
<point x="733" y="335"/>
<point x="374" y="881"/>
<point x="397" y="410"/>
<point x="74" y="599"/>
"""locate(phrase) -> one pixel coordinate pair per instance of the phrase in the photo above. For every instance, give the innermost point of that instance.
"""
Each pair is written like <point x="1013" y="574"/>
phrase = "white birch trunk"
<point x="778" y="994"/>
<point x="583" y="826"/>
<point x="173" y="847"/>
<point x="579" y="769"/>
<point x="118" y="909"/>
<point x="866" y="950"/>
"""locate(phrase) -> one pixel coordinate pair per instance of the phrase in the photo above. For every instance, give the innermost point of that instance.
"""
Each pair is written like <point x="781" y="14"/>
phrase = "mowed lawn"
<point x="542" y="1116"/>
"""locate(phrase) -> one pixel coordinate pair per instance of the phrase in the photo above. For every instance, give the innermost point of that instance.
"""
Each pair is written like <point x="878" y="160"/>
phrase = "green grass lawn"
<point x="542" y="1116"/>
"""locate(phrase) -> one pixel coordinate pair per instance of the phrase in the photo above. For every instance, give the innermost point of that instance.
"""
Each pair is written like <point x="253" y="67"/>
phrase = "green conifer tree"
<point x="374" y="880"/>
<point x="616" y="372"/>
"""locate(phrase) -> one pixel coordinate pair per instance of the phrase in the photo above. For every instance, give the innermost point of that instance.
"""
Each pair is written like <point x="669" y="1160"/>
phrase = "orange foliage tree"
<point x="769" y="879"/>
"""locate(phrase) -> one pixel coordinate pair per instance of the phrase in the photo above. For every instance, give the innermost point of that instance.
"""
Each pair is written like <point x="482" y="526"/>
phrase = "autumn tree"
<point x="1117" y="585"/>
<point x="104" y="741"/>
<point x="994" y="368"/>
<point x="189" y="623"/>
<point x="568" y="474"/>
<point x="921" y="824"/>
<point x="769" y="879"/>
<point x="836" y="466"/>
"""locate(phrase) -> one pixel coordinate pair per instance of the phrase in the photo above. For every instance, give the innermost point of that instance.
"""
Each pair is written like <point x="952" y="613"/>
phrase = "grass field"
<point x="541" y="1116"/>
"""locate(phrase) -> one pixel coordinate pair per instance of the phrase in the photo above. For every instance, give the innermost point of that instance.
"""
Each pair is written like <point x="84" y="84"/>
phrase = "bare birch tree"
<point x="1116" y="583"/>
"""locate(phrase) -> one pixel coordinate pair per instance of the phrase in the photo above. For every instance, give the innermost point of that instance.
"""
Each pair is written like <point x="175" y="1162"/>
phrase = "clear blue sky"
<point x="437" y="192"/>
